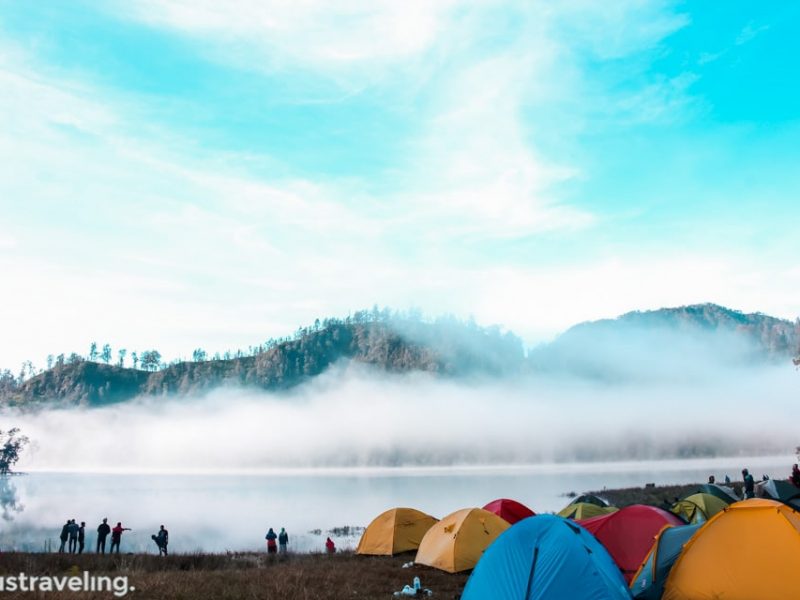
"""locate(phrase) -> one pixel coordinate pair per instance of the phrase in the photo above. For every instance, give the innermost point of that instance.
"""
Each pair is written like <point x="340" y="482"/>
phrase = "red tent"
<point x="509" y="510"/>
<point x="629" y="533"/>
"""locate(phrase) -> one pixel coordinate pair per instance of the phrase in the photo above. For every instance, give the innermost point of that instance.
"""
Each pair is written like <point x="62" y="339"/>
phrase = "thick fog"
<point x="352" y="416"/>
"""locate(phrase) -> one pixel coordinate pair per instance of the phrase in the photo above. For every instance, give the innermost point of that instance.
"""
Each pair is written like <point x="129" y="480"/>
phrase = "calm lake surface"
<point x="219" y="512"/>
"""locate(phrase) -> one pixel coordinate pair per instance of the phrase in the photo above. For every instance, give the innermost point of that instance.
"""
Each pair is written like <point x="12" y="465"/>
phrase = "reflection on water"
<point x="9" y="501"/>
<point x="233" y="512"/>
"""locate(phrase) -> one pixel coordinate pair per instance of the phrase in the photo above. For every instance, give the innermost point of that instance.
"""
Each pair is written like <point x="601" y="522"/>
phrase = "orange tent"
<point x="457" y="542"/>
<point x="749" y="550"/>
<point x="394" y="531"/>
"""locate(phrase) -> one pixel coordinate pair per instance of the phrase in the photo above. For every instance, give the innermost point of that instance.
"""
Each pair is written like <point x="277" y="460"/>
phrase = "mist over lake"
<point x="216" y="512"/>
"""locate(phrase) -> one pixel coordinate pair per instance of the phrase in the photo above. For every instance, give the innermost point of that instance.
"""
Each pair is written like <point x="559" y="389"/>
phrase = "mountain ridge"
<point x="444" y="347"/>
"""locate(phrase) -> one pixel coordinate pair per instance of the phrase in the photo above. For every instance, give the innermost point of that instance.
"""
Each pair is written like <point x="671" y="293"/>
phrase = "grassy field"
<point x="239" y="576"/>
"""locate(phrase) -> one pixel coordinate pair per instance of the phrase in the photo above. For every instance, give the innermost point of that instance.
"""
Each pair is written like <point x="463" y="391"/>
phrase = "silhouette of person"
<point x="161" y="539"/>
<point x="795" y="478"/>
<point x="749" y="484"/>
<point x="102" y="533"/>
<point x="271" y="536"/>
<point x="64" y="536"/>
<point x="283" y="541"/>
<point x="73" y="536"/>
<point x="81" y="537"/>
<point x="711" y="479"/>
<point x="116" y="536"/>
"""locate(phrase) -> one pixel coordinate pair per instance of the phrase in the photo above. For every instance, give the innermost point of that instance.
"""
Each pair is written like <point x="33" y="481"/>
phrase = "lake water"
<point x="216" y="512"/>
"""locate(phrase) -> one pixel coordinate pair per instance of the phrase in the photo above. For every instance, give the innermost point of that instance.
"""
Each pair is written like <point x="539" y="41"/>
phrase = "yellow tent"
<point x="749" y="550"/>
<point x="699" y="507"/>
<point x="585" y="510"/>
<point x="394" y="531"/>
<point x="457" y="542"/>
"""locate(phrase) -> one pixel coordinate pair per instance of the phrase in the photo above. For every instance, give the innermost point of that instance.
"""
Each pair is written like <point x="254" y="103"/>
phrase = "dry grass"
<point x="655" y="496"/>
<point x="240" y="576"/>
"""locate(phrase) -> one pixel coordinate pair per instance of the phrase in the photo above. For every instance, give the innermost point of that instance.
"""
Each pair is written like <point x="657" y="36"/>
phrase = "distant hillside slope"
<point x="669" y="343"/>
<point x="445" y="347"/>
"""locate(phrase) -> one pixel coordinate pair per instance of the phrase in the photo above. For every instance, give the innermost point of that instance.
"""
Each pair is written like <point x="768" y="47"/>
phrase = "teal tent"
<point x="648" y="583"/>
<point x="779" y="490"/>
<point x="722" y="492"/>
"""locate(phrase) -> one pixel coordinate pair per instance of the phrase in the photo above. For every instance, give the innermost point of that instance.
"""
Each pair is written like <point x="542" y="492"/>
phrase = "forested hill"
<point x="768" y="336"/>
<point x="391" y="344"/>
<point x="667" y="344"/>
<point x="670" y="344"/>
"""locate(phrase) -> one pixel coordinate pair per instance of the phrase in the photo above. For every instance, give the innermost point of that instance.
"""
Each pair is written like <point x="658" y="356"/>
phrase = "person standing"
<point x="162" y="539"/>
<point x="283" y="541"/>
<point x="81" y="537"/>
<point x="116" y="536"/>
<point x="63" y="537"/>
<point x="749" y="484"/>
<point x="271" y="537"/>
<point x="102" y="533"/>
<point x="795" y="478"/>
<point x="330" y="547"/>
<point x="73" y="536"/>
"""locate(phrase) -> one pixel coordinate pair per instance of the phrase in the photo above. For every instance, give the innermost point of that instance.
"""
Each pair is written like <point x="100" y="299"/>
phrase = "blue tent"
<point x="546" y="557"/>
<point x="648" y="583"/>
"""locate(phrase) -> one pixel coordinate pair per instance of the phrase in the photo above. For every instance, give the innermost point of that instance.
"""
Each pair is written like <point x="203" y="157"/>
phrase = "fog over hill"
<point x="693" y="381"/>
<point x="676" y="343"/>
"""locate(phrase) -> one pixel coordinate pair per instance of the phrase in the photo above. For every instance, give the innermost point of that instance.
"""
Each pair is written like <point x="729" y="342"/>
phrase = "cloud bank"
<point x="352" y="417"/>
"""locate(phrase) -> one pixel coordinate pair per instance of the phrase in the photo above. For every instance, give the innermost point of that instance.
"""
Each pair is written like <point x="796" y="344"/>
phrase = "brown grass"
<point x="655" y="496"/>
<point x="240" y="576"/>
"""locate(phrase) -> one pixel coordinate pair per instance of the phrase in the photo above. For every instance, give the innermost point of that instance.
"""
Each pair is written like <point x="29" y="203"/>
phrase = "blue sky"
<point x="178" y="174"/>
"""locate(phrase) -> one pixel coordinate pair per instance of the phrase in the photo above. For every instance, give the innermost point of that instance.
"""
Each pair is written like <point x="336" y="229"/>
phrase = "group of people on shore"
<point x="749" y="483"/>
<point x="276" y="541"/>
<point x="73" y="537"/>
<point x="279" y="542"/>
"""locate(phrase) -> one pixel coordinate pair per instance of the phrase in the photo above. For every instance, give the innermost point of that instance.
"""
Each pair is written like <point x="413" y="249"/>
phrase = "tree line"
<point x="151" y="360"/>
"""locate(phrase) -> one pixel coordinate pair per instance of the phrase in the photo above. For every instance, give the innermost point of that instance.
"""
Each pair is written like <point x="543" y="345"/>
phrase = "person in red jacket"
<point x="116" y="536"/>
<point x="330" y="547"/>
<point x="272" y="546"/>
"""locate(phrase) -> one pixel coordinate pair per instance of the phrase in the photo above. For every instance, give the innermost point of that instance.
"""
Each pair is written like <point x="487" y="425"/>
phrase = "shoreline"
<point x="601" y="466"/>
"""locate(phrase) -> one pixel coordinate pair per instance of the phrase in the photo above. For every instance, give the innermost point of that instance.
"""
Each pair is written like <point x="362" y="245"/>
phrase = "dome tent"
<point x="457" y="542"/>
<point x="509" y="510"/>
<point x="648" y="582"/>
<point x="590" y="499"/>
<point x="394" y="531"/>
<point x="750" y="550"/>
<point x="543" y="558"/>
<point x="698" y="508"/>
<point x="628" y="534"/>
<point x="585" y="510"/>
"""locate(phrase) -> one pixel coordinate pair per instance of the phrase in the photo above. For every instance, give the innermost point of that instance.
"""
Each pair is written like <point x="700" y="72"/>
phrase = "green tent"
<point x="585" y="510"/>
<point x="698" y="508"/>
<point x="590" y="499"/>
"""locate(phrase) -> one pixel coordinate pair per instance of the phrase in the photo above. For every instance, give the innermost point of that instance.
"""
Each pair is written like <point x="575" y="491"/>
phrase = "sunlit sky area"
<point x="177" y="173"/>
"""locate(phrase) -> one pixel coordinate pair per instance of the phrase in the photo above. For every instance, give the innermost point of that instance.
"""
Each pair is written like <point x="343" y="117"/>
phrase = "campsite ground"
<point x="256" y="575"/>
<point x="655" y="496"/>
<point x="237" y="576"/>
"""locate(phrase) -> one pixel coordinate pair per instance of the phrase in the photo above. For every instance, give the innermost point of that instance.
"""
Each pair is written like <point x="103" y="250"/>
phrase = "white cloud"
<point x="117" y="234"/>
<point x="312" y="33"/>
